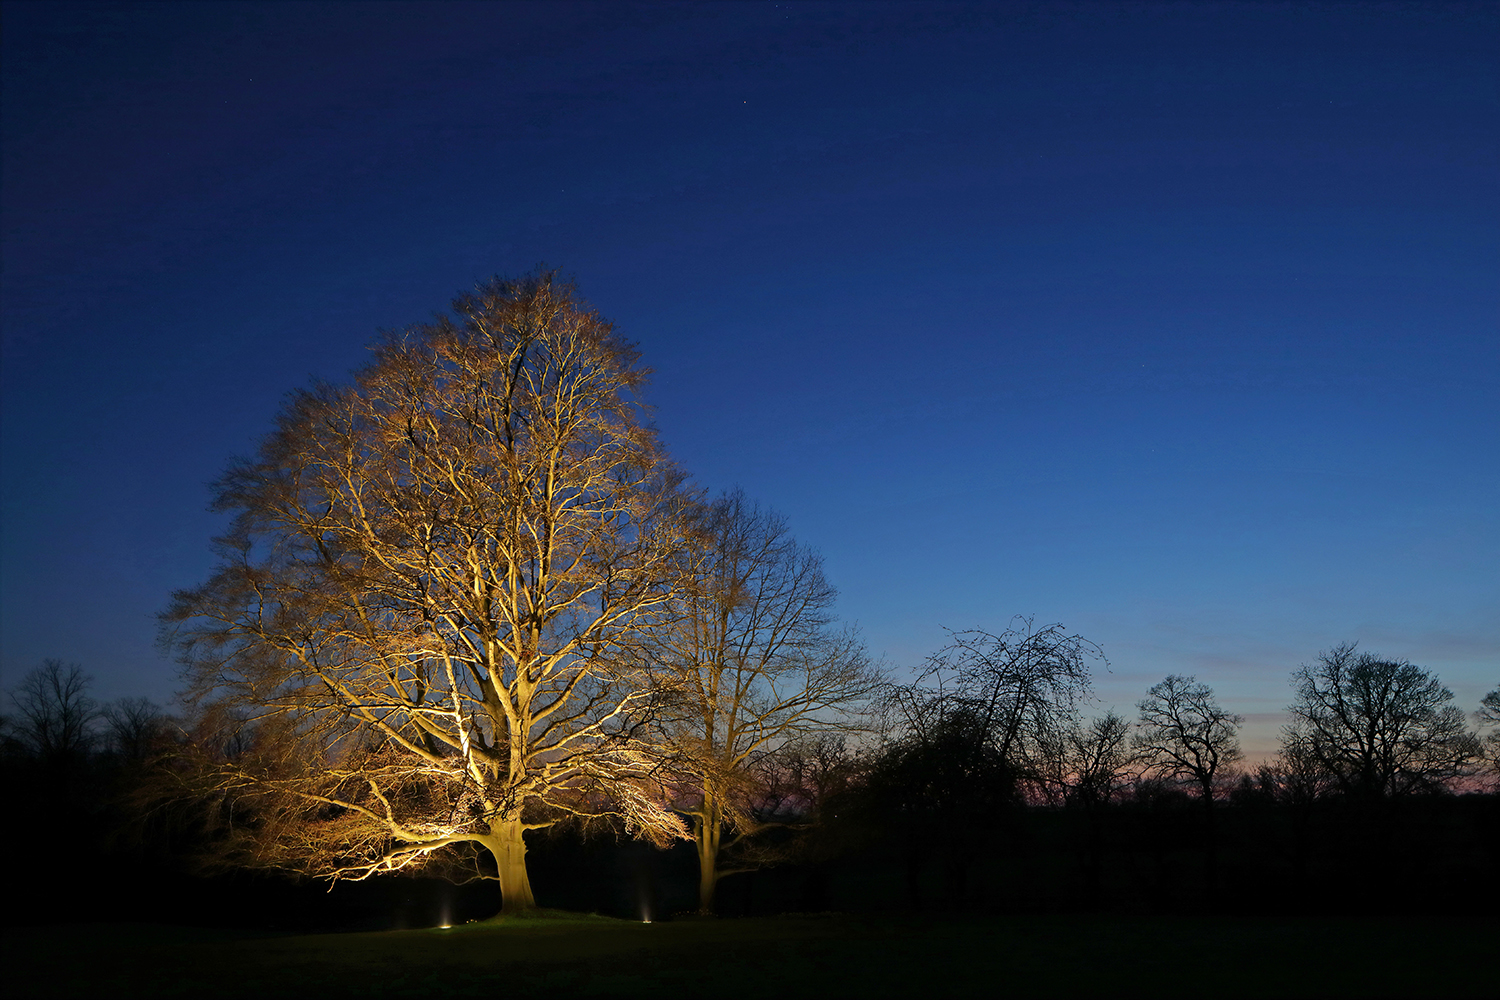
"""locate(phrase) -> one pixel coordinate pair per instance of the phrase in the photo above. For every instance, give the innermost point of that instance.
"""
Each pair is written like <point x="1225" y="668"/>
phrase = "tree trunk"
<point x="708" y="883"/>
<point x="509" y="849"/>
<point x="709" y="828"/>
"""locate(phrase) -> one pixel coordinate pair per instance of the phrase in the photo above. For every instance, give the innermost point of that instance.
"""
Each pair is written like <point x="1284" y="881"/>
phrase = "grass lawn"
<point x="790" y="956"/>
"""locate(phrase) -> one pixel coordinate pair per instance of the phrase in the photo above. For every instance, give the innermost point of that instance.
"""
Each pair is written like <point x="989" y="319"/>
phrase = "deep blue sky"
<point x="1174" y="323"/>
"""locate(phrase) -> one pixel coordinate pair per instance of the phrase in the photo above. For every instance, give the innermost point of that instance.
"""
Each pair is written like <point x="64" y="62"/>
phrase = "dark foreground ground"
<point x="830" y="956"/>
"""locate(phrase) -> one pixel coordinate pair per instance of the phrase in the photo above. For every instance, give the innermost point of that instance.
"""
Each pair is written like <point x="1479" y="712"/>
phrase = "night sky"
<point x="1173" y="323"/>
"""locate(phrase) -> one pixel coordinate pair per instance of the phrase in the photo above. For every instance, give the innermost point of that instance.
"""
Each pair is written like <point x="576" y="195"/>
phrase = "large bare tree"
<point x="431" y="603"/>
<point x="763" y="671"/>
<point x="1377" y="728"/>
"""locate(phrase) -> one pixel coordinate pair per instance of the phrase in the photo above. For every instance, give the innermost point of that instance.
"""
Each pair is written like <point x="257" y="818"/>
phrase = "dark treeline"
<point x="994" y="792"/>
<point x="95" y="838"/>
<point x="1030" y="808"/>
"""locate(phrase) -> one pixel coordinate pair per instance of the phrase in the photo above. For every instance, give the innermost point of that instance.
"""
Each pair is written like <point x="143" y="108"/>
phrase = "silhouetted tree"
<point x="1292" y="778"/>
<point x="1022" y="688"/>
<point x="433" y="598"/>
<point x="1089" y="764"/>
<point x="1489" y="719"/>
<point x="761" y="671"/>
<point x="1183" y="734"/>
<point x="1094" y="760"/>
<point x="60" y="775"/>
<point x="55" y="721"/>
<point x="1377" y="728"/>
<point x="940" y="792"/>
<point x="977" y="729"/>
<point x="134" y="727"/>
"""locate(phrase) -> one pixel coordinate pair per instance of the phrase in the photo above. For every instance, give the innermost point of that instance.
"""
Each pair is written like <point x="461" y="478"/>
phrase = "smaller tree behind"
<point x="761" y="673"/>
<point x="1378" y="728"/>
<point x="1185" y="735"/>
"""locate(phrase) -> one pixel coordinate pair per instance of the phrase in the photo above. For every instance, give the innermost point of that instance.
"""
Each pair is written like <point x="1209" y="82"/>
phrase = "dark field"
<point x="787" y="956"/>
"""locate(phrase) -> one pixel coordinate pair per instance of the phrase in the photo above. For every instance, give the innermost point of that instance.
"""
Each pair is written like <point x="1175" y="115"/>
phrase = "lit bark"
<point x="434" y="600"/>
<point x="708" y="829"/>
<point x="757" y="668"/>
<point x="508" y="847"/>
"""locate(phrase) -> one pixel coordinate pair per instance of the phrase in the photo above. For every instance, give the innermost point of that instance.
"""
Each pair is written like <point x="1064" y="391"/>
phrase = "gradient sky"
<point x="1173" y="323"/>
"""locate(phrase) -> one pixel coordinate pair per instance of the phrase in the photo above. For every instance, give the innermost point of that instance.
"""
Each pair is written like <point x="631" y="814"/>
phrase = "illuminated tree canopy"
<point x="432" y="600"/>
